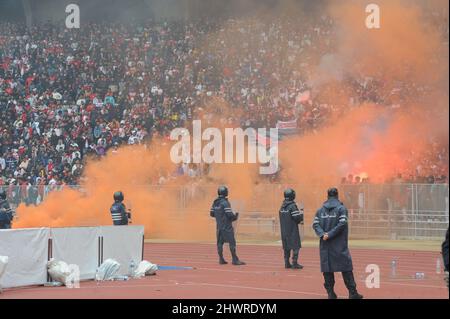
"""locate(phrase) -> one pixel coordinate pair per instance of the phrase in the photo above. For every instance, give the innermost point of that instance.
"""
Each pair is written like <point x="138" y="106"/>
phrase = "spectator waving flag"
<point x="287" y="127"/>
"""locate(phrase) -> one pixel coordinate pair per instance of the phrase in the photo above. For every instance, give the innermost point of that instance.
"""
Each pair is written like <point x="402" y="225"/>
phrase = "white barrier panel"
<point x="123" y="243"/>
<point x="78" y="246"/>
<point x="27" y="250"/>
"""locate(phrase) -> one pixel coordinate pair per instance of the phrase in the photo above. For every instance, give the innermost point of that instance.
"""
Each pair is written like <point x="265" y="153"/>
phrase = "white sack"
<point x="145" y="268"/>
<point x="108" y="270"/>
<point x="60" y="271"/>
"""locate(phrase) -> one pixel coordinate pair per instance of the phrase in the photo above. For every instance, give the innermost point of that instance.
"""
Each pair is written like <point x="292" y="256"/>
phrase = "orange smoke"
<point x="130" y="170"/>
<point x="405" y="48"/>
<point x="378" y="140"/>
<point x="368" y="139"/>
<point x="179" y="209"/>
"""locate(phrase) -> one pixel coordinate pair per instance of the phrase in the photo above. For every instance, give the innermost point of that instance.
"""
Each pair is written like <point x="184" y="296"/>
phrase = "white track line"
<point x="291" y="274"/>
<point x="265" y="289"/>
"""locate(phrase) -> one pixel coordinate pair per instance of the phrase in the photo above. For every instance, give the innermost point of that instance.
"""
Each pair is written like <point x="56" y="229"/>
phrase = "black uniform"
<point x="290" y="217"/>
<point x="445" y="255"/>
<point x="6" y="214"/>
<point x="222" y="212"/>
<point x="119" y="214"/>
<point x="332" y="219"/>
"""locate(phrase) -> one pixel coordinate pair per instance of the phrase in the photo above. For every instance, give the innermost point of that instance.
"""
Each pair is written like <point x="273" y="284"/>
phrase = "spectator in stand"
<point x="67" y="95"/>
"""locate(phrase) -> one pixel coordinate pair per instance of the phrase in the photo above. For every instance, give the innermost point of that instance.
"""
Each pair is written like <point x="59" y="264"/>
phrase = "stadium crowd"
<point x="67" y="95"/>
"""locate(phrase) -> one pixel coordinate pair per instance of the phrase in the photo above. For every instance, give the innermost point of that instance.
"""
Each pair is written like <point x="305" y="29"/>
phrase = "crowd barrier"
<point x="77" y="246"/>
<point x="29" y="250"/>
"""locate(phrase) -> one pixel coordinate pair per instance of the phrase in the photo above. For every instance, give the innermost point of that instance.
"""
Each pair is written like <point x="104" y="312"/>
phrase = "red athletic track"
<point x="262" y="277"/>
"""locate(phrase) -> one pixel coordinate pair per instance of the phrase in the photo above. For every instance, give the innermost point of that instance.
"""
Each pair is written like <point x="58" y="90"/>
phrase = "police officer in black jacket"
<point x="6" y="213"/>
<point x="222" y="212"/>
<point x="118" y="211"/>
<point x="445" y="256"/>
<point x="290" y="217"/>
<point x="331" y="225"/>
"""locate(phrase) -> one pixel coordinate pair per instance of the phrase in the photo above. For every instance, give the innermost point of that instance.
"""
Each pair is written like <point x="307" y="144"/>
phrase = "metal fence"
<point x="31" y="195"/>
<point x="378" y="211"/>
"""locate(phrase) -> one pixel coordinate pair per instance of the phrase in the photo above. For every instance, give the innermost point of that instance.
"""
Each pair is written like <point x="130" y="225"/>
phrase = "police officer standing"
<point x="6" y="213"/>
<point x="445" y="256"/>
<point x="331" y="225"/>
<point x="118" y="211"/>
<point x="222" y="212"/>
<point x="290" y="217"/>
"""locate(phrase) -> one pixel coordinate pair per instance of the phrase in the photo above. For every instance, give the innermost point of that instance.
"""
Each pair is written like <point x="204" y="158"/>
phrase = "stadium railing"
<point x="378" y="211"/>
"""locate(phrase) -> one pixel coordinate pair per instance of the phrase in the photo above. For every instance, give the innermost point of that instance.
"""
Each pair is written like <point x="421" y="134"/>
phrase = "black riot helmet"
<point x="2" y="194"/>
<point x="222" y="191"/>
<point x="118" y="196"/>
<point x="289" y="194"/>
<point x="333" y="192"/>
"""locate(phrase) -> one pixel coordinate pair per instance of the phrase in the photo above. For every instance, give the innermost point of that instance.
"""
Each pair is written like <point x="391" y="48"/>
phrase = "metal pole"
<point x="416" y="212"/>
<point x="366" y="206"/>
<point x="412" y="201"/>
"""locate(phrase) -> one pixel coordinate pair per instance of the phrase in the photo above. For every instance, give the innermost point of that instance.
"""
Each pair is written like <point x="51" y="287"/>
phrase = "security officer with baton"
<point x="222" y="212"/>
<point x="119" y="213"/>
<point x="6" y="213"/>
<point x="290" y="218"/>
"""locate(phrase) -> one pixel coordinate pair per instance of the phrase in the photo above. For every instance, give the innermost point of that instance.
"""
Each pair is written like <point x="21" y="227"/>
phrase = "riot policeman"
<point x="331" y="225"/>
<point x="222" y="212"/>
<point x="118" y="211"/>
<point x="290" y="218"/>
<point x="445" y="256"/>
<point x="6" y="213"/>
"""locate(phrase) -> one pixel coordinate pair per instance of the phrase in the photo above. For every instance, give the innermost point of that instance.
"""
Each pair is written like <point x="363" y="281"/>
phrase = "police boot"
<point x="295" y="263"/>
<point x="331" y="293"/>
<point x="350" y="283"/>
<point x="329" y="285"/>
<point x="222" y="260"/>
<point x="355" y="295"/>
<point x="287" y="264"/>
<point x="236" y="260"/>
